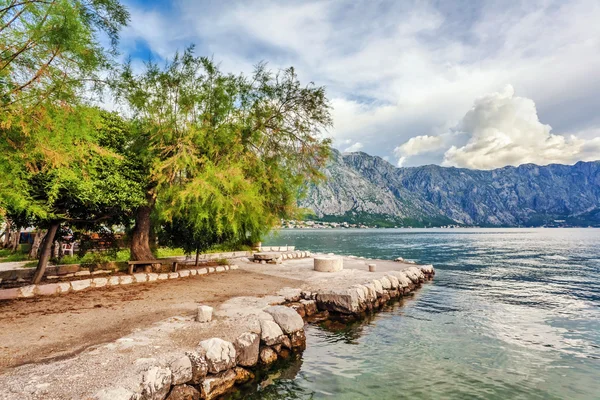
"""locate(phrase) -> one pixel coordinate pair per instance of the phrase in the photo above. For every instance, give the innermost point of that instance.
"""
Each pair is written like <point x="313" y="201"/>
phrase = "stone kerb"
<point x="328" y="263"/>
<point x="57" y="288"/>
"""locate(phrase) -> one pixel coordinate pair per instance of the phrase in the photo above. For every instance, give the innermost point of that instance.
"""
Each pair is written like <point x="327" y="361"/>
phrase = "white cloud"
<point x="418" y="145"/>
<point x="504" y="129"/>
<point x="355" y="147"/>
<point x="395" y="70"/>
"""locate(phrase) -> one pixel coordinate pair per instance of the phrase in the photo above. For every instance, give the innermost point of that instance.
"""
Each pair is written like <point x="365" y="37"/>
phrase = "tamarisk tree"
<point x="222" y="154"/>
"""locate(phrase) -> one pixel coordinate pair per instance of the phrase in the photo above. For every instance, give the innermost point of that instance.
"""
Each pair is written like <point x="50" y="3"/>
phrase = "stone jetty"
<point x="209" y="353"/>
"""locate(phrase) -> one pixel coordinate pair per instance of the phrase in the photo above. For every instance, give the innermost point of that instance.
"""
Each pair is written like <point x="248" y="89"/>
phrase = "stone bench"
<point x="328" y="264"/>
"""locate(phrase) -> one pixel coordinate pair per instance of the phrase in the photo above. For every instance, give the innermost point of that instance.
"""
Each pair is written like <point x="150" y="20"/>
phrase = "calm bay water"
<point x="511" y="314"/>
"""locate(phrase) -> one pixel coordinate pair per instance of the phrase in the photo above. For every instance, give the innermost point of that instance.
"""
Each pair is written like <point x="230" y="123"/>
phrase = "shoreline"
<point x="140" y="362"/>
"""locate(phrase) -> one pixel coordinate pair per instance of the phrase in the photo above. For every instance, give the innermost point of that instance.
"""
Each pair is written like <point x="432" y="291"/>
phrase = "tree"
<point x="66" y="175"/>
<point x="49" y="49"/>
<point x="221" y="153"/>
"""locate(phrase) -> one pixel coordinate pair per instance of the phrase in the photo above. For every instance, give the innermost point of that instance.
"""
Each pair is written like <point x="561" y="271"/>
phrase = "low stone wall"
<point x="216" y="365"/>
<point x="290" y="255"/>
<point x="58" y="288"/>
<point x="277" y="248"/>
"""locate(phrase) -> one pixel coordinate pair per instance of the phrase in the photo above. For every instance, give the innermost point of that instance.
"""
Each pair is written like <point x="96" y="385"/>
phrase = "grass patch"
<point x="7" y="256"/>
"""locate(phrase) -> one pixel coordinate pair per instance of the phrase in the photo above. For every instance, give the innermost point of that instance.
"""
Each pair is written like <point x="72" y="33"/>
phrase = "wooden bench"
<point x="133" y="264"/>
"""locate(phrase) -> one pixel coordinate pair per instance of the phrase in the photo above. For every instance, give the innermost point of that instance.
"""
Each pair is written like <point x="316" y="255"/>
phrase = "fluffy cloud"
<point x="397" y="69"/>
<point x="504" y="129"/>
<point x="418" y="145"/>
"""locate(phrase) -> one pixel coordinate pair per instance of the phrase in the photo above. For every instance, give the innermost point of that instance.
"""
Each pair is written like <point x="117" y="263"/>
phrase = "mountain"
<point x="360" y="188"/>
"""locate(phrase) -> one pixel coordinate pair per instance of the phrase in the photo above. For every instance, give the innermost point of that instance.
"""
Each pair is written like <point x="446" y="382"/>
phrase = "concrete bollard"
<point x="204" y="314"/>
<point x="372" y="267"/>
<point x="328" y="264"/>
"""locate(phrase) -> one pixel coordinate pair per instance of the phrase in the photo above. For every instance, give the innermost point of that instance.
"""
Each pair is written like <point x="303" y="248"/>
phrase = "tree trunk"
<point x="7" y="234"/>
<point x="140" y="237"/>
<point x="35" y="246"/>
<point x="197" y="256"/>
<point x="14" y="245"/>
<point x="46" y="251"/>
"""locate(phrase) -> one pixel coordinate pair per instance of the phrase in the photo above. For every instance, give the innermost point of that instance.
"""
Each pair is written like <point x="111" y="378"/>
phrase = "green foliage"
<point x="49" y="49"/>
<point x="224" y="156"/>
<point x="7" y="255"/>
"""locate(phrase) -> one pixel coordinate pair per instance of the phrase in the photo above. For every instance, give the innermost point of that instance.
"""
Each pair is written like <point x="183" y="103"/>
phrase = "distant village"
<point x="299" y="224"/>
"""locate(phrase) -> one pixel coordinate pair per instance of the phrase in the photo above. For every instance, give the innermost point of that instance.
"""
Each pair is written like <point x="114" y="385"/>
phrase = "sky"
<point x="474" y="84"/>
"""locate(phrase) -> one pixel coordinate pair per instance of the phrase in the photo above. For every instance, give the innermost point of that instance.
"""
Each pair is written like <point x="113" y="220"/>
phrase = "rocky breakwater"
<point x="217" y="365"/>
<point x="370" y="295"/>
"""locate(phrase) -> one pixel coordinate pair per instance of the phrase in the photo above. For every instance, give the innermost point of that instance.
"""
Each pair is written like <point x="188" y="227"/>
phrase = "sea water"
<point x="511" y="314"/>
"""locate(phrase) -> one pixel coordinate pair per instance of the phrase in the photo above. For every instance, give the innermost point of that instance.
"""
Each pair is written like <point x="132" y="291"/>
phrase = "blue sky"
<point x="477" y="84"/>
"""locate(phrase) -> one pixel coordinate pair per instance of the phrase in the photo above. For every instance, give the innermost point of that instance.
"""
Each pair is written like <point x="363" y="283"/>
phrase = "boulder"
<point x="378" y="287"/>
<point x="181" y="370"/>
<point x="125" y="280"/>
<point x="184" y="392"/>
<point x="242" y="375"/>
<point x="385" y="283"/>
<point x="247" y="349"/>
<point x="220" y="354"/>
<point x="298" y="339"/>
<point x="115" y="394"/>
<point x="345" y="301"/>
<point x="310" y="306"/>
<point x="394" y="281"/>
<point x="270" y="332"/>
<point x="156" y="383"/>
<point x="268" y="355"/>
<point x="141" y="277"/>
<point x="362" y="293"/>
<point x="199" y="366"/>
<point x="287" y="318"/>
<point x="214" y="386"/>
<point x="204" y="314"/>
<point x="79" y="285"/>
<point x="298" y="307"/>
<point x="371" y="292"/>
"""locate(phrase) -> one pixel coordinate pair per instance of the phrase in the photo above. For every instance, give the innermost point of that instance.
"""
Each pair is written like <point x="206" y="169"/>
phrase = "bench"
<point x="133" y="264"/>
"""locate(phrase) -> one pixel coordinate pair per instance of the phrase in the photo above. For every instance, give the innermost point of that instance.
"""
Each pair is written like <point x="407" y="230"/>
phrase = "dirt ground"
<point x="46" y="328"/>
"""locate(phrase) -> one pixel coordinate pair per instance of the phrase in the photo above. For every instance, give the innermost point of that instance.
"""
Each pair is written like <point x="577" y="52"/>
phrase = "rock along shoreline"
<point x="276" y="332"/>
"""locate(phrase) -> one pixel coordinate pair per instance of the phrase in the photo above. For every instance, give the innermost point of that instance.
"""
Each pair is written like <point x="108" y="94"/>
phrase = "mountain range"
<point x="360" y="188"/>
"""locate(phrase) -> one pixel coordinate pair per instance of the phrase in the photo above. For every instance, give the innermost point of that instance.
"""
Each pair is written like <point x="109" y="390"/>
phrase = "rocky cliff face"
<point x="360" y="186"/>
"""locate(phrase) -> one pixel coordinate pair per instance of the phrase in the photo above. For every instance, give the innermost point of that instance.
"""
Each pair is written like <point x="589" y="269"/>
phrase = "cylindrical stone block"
<point x="372" y="267"/>
<point x="328" y="264"/>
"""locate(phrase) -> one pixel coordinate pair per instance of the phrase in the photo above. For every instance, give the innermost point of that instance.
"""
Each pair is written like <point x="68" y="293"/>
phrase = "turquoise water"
<point x="511" y="314"/>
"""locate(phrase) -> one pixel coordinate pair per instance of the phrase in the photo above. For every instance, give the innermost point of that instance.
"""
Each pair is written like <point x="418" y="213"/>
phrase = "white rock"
<point x="362" y="292"/>
<point x="173" y="275"/>
<point x="152" y="277"/>
<point x="162" y="277"/>
<point x="27" y="291"/>
<point x="181" y="370"/>
<point x="385" y="283"/>
<point x="113" y="281"/>
<point x="371" y="292"/>
<point x="193" y="272"/>
<point x="125" y="280"/>
<point x="202" y="271"/>
<point x="344" y="301"/>
<point x="288" y="319"/>
<point x="204" y="314"/>
<point x="247" y="348"/>
<point x="80" y="285"/>
<point x="156" y="383"/>
<point x="233" y="267"/>
<point x="141" y="277"/>
<point x="184" y="273"/>
<point x="114" y="394"/>
<point x="270" y="332"/>
<point x="199" y="366"/>
<point x="220" y="269"/>
<point x="99" y="282"/>
<point x="82" y="273"/>
<point x="394" y="281"/>
<point x="65" y="287"/>
<point x="220" y="354"/>
<point x="211" y="269"/>
<point x="215" y="385"/>
<point x="378" y="287"/>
